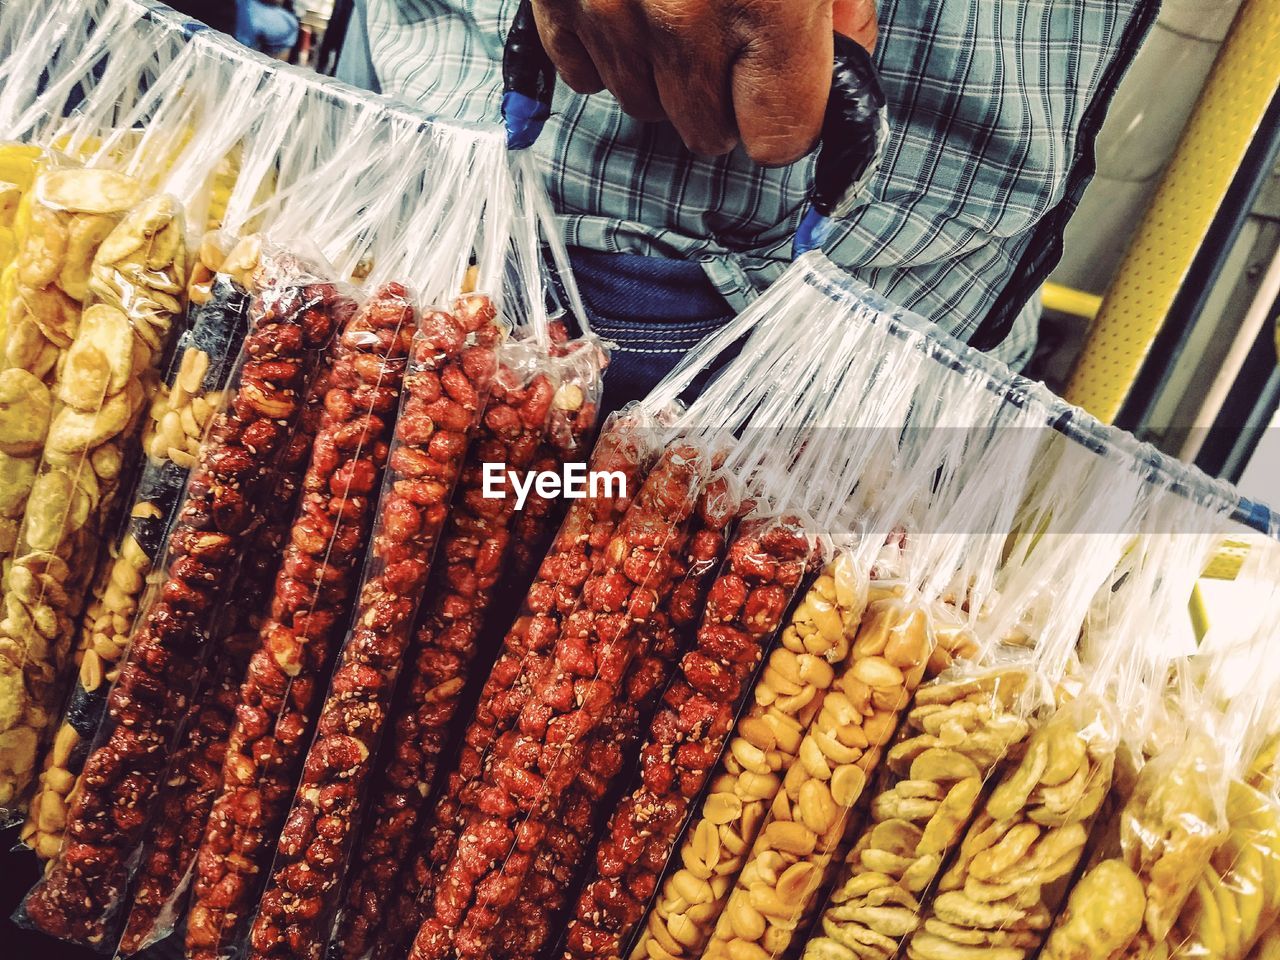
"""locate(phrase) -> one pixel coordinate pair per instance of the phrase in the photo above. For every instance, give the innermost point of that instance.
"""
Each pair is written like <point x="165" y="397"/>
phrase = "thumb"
<point x="856" y="19"/>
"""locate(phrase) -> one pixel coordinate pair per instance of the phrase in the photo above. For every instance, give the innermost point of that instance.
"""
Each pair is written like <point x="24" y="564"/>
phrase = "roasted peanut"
<point x="833" y="763"/>
<point x="195" y="768"/>
<point x="477" y="550"/>
<point x="670" y="632"/>
<point x="818" y="635"/>
<point x="919" y="816"/>
<point x="580" y="543"/>
<point x="744" y="608"/>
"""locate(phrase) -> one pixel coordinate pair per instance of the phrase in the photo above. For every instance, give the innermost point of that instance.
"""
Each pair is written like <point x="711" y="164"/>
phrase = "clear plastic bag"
<point x="185" y="405"/>
<point x="195" y="767"/>
<point x="98" y="286"/>
<point x="624" y="449"/>
<point x="1170" y="823"/>
<point x="291" y="321"/>
<point x="129" y="277"/>
<point x="1018" y="856"/>
<point x="71" y="213"/>
<point x="1173" y="817"/>
<point x="453" y="355"/>
<point x="601" y="645"/>
<point x="538" y="417"/>
<point x="967" y="725"/>
<point x="1237" y="897"/>
<point x="817" y="637"/>
<point x="293" y="314"/>
<point x="371" y="375"/>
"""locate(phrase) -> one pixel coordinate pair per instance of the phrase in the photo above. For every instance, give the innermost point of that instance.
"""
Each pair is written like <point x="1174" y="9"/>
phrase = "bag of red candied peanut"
<point x="293" y="314"/>
<point x="448" y="371"/>
<point x="539" y="418"/>
<point x="196" y="768"/>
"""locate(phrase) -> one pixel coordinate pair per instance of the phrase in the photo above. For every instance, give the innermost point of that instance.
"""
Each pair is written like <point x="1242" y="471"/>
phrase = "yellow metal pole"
<point x="1244" y="80"/>
<point x="1074" y="303"/>
<point x="1226" y="118"/>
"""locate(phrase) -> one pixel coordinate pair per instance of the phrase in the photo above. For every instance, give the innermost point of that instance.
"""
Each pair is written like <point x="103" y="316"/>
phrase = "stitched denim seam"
<point x="695" y="326"/>
<point x="662" y="341"/>
<point x="647" y="350"/>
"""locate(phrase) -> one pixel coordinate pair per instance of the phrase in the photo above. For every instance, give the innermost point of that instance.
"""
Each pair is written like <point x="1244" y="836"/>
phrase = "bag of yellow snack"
<point x="964" y="726"/>
<point x="1018" y="856"/>
<point x="64" y="212"/>
<point x="1160" y="837"/>
<point x="107" y="258"/>
<point x="1236" y="897"/>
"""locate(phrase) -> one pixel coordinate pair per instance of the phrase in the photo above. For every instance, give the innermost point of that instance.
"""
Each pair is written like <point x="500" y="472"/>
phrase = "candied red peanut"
<point x="744" y="607"/>
<point x="196" y="768"/>
<point x="311" y="601"/>
<point x="570" y="428"/>
<point x="430" y="845"/>
<point x="473" y="558"/>
<point x="292" y="320"/>
<point x="545" y="893"/>
<point x="568" y="695"/>
<point x="587" y="528"/>
<point x="295" y="910"/>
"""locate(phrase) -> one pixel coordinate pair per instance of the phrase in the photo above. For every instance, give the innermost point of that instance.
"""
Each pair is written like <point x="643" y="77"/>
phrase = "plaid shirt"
<point x="993" y="106"/>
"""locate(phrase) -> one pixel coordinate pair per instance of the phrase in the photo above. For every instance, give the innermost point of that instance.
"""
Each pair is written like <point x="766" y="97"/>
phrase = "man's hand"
<point x="722" y="71"/>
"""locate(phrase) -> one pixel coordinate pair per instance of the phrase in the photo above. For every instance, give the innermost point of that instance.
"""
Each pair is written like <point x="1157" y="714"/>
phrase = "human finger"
<point x="572" y="62"/>
<point x="856" y="19"/>
<point x="697" y="99"/>
<point x="780" y="82"/>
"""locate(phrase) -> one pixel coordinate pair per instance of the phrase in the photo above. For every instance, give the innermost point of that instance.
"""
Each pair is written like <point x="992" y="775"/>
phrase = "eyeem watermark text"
<point x="573" y="481"/>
